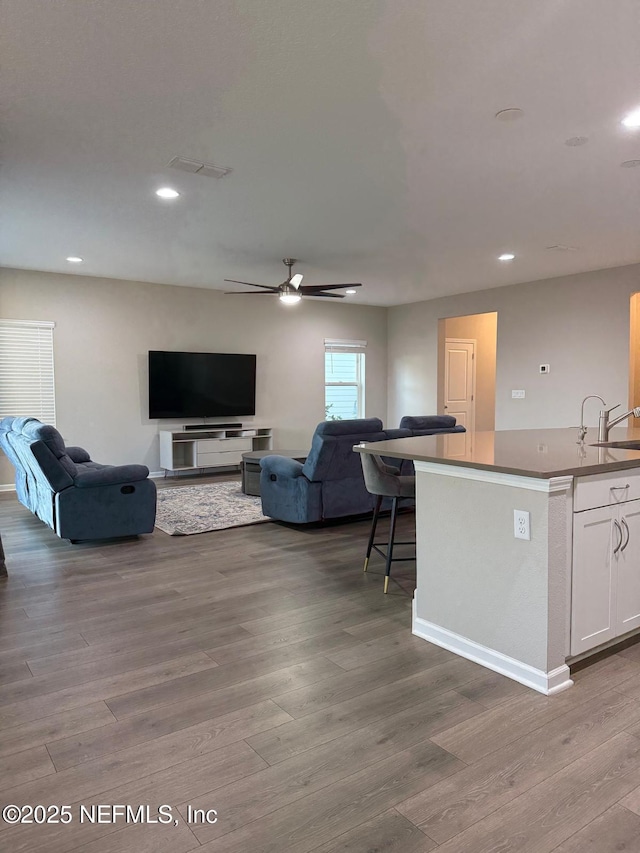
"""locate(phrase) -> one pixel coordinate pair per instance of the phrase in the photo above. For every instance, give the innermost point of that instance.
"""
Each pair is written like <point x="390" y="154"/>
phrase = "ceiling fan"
<point x="290" y="290"/>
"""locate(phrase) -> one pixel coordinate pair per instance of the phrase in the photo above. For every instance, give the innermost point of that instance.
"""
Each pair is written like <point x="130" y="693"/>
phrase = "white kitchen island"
<point x="524" y="608"/>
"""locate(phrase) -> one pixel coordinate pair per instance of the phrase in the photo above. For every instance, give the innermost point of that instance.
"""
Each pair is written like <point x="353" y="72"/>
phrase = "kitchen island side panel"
<point x="479" y="582"/>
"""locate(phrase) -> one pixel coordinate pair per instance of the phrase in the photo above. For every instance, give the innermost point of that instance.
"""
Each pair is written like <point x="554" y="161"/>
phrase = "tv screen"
<point x="201" y="384"/>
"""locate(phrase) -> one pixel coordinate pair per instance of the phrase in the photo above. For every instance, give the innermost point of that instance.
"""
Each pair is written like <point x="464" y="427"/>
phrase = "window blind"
<point x="334" y="345"/>
<point x="26" y="369"/>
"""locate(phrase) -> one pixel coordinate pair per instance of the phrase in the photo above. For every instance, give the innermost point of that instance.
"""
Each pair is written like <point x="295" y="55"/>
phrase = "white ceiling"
<point x="361" y="134"/>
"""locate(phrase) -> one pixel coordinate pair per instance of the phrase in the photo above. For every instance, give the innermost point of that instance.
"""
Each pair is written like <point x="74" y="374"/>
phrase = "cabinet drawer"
<point x="606" y="489"/>
<point x="216" y="460"/>
<point x="224" y="445"/>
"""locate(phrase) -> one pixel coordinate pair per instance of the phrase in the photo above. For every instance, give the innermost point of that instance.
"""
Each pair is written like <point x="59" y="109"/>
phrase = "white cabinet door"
<point x="593" y="611"/>
<point x="628" y="559"/>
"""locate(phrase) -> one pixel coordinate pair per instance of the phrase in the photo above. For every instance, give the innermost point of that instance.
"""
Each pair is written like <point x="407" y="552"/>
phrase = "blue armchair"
<point x="76" y="497"/>
<point x="330" y="484"/>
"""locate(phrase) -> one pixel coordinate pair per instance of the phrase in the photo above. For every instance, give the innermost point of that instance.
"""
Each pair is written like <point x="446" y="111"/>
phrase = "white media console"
<point x="210" y="446"/>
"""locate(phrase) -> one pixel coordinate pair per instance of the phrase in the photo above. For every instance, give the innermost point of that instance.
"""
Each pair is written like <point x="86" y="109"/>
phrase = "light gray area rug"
<point x="199" y="509"/>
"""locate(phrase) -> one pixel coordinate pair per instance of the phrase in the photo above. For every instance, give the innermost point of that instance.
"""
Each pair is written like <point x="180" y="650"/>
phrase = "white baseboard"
<point x="7" y="487"/>
<point x="544" y="682"/>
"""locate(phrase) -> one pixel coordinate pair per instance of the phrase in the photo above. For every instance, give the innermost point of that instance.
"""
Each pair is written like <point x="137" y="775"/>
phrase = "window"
<point x="26" y="369"/>
<point x="344" y="379"/>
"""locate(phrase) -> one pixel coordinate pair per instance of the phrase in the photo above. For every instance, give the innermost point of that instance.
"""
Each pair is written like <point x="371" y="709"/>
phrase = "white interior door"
<point x="460" y="381"/>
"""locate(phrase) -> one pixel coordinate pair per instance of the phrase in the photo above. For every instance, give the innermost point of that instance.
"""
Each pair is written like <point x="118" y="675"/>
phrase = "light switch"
<point x="518" y="395"/>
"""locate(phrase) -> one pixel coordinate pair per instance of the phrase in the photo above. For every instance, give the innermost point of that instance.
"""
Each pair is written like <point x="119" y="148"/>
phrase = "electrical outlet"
<point x="544" y="368"/>
<point x="517" y="395"/>
<point x="521" y="526"/>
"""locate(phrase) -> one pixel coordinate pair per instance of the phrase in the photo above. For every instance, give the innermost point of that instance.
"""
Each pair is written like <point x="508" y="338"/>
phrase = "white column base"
<point x="544" y="682"/>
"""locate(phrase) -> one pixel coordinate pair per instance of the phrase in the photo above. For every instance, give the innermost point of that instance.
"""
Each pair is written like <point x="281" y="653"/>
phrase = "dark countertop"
<point x="542" y="453"/>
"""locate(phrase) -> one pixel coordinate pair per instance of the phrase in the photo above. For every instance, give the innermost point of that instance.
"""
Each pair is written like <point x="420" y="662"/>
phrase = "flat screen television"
<point x="201" y="384"/>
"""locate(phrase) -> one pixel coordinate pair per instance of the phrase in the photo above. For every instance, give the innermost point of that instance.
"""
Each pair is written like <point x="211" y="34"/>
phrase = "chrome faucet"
<point x="604" y="424"/>
<point x="582" y="430"/>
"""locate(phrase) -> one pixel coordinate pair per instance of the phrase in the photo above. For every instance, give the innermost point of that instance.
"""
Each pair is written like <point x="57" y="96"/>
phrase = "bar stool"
<point x="386" y="481"/>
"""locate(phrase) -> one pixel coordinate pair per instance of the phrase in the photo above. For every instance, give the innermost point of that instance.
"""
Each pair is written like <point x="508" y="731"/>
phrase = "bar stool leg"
<point x="374" y="524"/>
<point x="392" y="533"/>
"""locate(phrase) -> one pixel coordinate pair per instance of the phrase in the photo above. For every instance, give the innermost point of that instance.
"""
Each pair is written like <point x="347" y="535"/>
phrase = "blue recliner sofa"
<point x="76" y="497"/>
<point x="330" y="484"/>
<point x="430" y="424"/>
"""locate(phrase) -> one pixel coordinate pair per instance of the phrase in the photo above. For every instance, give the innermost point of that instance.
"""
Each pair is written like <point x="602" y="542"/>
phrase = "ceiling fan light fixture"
<point x="291" y="290"/>
<point x="290" y="298"/>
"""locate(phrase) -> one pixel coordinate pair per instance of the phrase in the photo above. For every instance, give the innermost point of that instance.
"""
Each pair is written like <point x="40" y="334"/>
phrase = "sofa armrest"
<point x="78" y="454"/>
<point x="281" y="466"/>
<point x="110" y="475"/>
<point x="104" y="512"/>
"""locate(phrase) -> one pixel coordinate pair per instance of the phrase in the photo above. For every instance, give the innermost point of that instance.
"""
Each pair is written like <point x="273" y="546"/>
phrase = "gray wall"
<point x="578" y="324"/>
<point x="105" y="327"/>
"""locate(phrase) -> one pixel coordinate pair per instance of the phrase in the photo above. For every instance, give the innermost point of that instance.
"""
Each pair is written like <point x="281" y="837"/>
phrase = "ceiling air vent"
<point x="560" y="247"/>
<point x="196" y="167"/>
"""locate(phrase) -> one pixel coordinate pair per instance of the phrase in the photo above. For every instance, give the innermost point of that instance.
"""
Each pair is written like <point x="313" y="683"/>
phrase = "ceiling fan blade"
<point x="296" y="280"/>
<point x="250" y="292"/>
<point x="327" y="295"/>
<point x="251" y="284"/>
<point x="315" y="288"/>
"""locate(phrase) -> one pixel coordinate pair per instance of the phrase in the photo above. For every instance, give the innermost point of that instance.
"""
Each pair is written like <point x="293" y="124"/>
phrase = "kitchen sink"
<point x="621" y="445"/>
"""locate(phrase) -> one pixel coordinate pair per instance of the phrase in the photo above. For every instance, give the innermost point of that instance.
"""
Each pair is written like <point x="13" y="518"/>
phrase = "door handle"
<point x="626" y="527"/>
<point x="619" y="529"/>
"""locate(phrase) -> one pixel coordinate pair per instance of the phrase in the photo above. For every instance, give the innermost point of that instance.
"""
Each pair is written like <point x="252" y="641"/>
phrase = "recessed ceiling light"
<point x="167" y="192"/>
<point x="632" y="120"/>
<point x="506" y="256"/>
<point x="74" y="259"/>
<point x="511" y="114"/>
<point x="351" y="291"/>
<point x="630" y="164"/>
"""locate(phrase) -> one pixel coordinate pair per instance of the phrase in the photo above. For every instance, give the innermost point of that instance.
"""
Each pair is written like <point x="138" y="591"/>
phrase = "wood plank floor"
<point x="259" y="672"/>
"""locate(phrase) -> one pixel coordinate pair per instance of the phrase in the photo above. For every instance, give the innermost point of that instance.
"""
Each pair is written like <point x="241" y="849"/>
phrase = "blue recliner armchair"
<point x="76" y="497"/>
<point x="330" y="484"/>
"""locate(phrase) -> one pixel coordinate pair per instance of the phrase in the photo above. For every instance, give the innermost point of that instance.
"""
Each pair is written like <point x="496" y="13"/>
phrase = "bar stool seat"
<point x="385" y="481"/>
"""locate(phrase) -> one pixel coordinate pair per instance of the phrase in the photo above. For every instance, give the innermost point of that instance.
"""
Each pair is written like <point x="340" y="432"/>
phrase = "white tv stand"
<point x="210" y="447"/>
